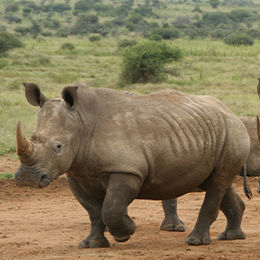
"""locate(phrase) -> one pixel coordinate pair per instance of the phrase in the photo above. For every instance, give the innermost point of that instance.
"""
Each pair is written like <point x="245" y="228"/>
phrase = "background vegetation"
<point x="67" y="40"/>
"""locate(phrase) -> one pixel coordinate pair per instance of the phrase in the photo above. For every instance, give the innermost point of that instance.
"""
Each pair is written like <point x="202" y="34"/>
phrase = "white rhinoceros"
<point x="116" y="148"/>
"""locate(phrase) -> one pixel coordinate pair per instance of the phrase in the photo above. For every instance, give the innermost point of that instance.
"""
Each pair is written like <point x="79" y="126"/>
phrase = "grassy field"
<point x="208" y="67"/>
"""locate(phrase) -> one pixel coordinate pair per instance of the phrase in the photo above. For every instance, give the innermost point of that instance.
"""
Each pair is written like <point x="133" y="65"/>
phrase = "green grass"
<point x="6" y="175"/>
<point x="208" y="68"/>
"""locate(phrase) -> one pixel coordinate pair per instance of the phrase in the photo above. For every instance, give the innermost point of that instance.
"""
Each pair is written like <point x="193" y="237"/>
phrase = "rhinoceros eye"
<point x="57" y="146"/>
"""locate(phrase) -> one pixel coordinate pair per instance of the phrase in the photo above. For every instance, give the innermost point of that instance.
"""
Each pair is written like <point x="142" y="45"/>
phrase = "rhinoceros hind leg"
<point x="172" y="226"/>
<point x="233" y="207"/>
<point x="231" y="235"/>
<point x="87" y="243"/>
<point x="195" y="241"/>
<point x="171" y="221"/>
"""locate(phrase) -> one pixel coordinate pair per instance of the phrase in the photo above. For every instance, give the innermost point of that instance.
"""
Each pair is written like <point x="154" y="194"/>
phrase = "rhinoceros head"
<point x="54" y="144"/>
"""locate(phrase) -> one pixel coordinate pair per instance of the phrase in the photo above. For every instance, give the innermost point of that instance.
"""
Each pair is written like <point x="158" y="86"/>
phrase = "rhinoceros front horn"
<point x="24" y="148"/>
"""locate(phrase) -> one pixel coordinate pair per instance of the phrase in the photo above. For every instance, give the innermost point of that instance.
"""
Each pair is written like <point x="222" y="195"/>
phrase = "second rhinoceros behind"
<point x="116" y="148"/>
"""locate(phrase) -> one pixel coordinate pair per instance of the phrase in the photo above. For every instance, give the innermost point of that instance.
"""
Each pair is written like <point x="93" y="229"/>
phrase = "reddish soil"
<point x="48" y="224"/>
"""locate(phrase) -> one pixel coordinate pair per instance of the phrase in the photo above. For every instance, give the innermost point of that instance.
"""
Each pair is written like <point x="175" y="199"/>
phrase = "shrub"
<point x="214" y="3"/>
<point x="238" y="15"/>
<point x="67" y="46"/>
<point x="61" y="8"/>
<point x="22" y="30"/>
<point x="86" y="23"/>
<point x="145" y="61"/>
<point x="214" y="18"/>
<point x="46" y="34"/>
<point x="145" y="11"/>
<point x="254" y="33"/>
<point x="82" y="6"/>
<point x="239" y="39"/>
<point x="94" y="38"/>
<point x="126" y="43"/>
<point x="52" y="24"/>
<point x="120" y="20"/>
<point x="155" y="37"/>
<point x="166" y="33"/>
<point x="8" y="41"/>
<point x="13" y="19"/>
<point x="62" y="32"/>
<point x="12" y="8"/>
<point x="135" y="18"/>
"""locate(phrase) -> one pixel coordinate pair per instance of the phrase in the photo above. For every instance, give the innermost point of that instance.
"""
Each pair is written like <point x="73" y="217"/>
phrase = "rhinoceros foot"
<point x="173" y="226"/>
<point x="192" y="240"/>
<point x="124" y="234"/>
<point x="231" y="235"/>
<point x="86" y="243"/>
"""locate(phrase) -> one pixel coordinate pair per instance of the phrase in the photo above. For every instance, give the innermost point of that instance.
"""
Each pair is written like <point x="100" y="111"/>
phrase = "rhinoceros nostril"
<point x="44" y="181"/>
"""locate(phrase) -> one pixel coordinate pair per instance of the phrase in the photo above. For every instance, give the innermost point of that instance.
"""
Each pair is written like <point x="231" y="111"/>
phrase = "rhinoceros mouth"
<point x="44" y="181"/>
<point x="25" y="177"/>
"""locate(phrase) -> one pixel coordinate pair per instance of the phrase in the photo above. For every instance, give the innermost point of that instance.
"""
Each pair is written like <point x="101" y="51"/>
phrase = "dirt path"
<point x="48" y="224"/>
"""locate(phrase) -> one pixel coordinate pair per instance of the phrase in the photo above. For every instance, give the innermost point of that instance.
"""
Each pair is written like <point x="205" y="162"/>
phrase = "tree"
<point x="12" y="8"/>
<point x="22" y="30"/>
<point x="239" y="39"/>
<point x="214" y="18"/>
<point x="145" y="61"/>
<point x="82" y="6"/>
<point x="214" y="3"/>
<point x="35" y="29"/>
<point x="26" y="11"/>
<point x="61" y="8"/>
<point x="13" y="19"/>
<point x="8" y="41"/>
<point x="85" y="23"/>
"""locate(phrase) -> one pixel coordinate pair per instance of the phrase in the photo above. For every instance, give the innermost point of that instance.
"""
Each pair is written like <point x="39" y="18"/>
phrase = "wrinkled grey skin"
<point x="172" y="221"/>
<point x="116" y="148"/>
<point x="253" y="160"/>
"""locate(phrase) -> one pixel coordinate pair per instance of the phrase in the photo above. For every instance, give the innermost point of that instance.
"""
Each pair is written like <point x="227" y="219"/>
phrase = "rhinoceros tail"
<point x="246" y="187"/>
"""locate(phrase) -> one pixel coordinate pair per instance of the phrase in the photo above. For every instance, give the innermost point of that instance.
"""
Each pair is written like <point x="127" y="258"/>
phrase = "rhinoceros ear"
<point x="34" y="95"/>
<point x="70" y="95"/>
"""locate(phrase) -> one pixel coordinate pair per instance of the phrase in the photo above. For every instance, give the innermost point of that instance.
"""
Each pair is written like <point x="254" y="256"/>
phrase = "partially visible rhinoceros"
<point x="252" y="168"/>
<point x="253" y="160"/>
<point x="116" y="148"/>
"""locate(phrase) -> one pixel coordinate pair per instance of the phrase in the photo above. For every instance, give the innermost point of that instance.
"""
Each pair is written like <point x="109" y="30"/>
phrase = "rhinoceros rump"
<point x="116" y="148"/>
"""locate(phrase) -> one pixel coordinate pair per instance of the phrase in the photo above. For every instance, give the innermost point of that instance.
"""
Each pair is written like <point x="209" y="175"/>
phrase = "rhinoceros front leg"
<point x="93" y="205"/>
<point x="233" y="207"/>
<point x="171" y="221"/>
<point x="121" y="191"/>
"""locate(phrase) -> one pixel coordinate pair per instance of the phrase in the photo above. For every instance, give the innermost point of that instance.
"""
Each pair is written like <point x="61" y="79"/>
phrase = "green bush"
<point x="155" y="37"/>
<point x="62" y="32"/>
<point x="167" y="33"/>
<point x="126" y="43"/>
<point x="8" y="41"/>
<point x="239" y="39"/>
<point x="214" y="18"/>
<point x="145" y="61"/>
<point x="46" y="33"/>
<point x="85" y="23"/>
<point x="67" y="46"/>
<point x="94" y="38"/>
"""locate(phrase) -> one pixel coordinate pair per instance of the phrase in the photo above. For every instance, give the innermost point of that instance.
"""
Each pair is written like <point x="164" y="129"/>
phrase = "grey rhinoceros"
<point x="172" y="222"/>
<point x="116" y="148"/>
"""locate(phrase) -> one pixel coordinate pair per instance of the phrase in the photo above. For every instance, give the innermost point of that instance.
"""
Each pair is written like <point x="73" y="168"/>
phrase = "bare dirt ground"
<point x="48" y="224"/>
